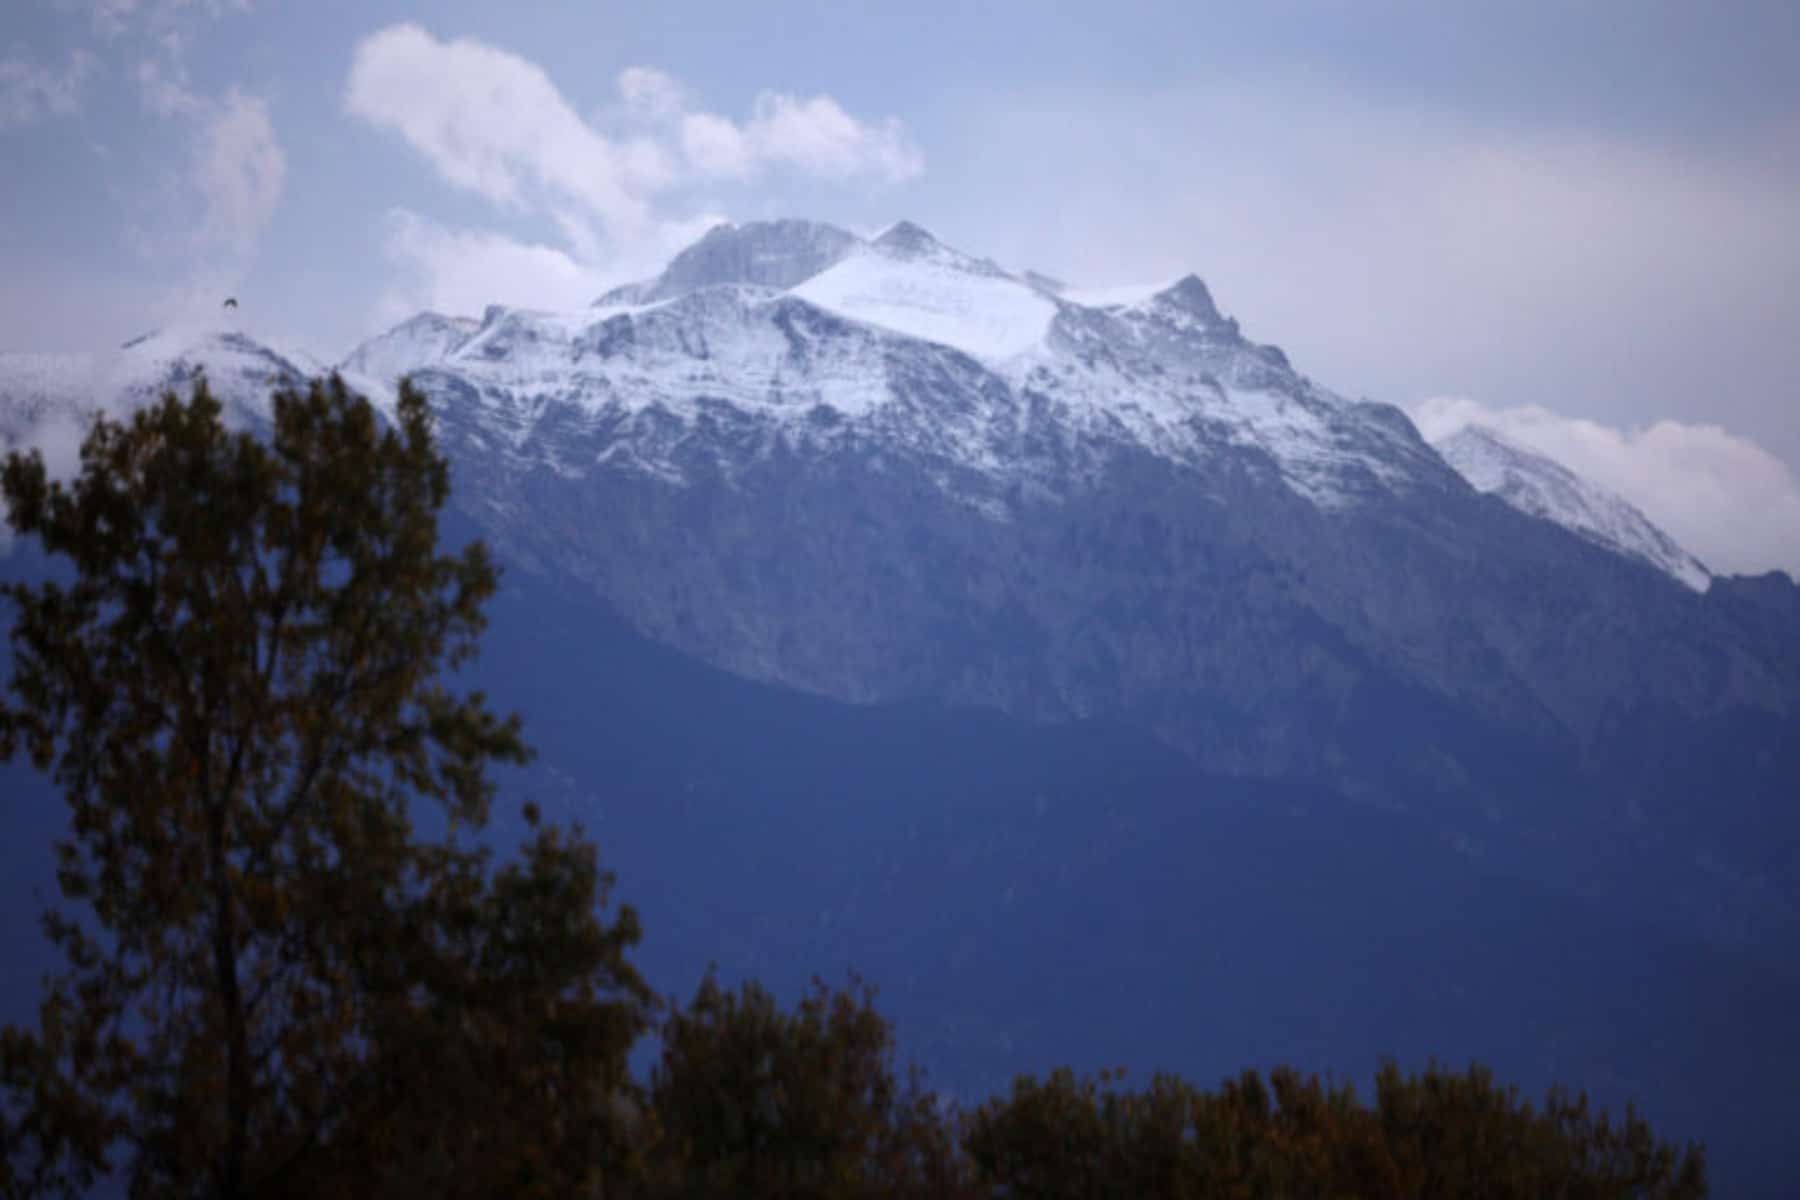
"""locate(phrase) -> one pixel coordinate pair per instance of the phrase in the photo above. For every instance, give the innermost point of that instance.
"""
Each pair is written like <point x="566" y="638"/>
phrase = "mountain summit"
<point x="771" y="254"/>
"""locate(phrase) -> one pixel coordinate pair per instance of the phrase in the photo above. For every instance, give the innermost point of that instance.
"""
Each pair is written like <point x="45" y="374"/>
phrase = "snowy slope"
<point x="812" y="337"/>
<point x="425" y="338"/>
<point x="34" y="387"/>
<point x="1535" y="484"/>
<point x="935" y="299"/>
<point x="46" y="403"/>
<point x="770" y="254"/>
<point x="798" y="334"/>
<point x="46" y="400"/>
<point x="242" y="370"/>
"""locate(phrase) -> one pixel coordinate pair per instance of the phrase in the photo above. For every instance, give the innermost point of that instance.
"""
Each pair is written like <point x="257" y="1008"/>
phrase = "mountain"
<point x="424" y="338"/>
<point x="823" y="340"/>
<point x="886" y="471"/>
<point x="1542" y="487"/>
<point x="48" y="398"/>
<point x="773" y="254"/>
<point x="883" y="469"/>
<point x="1105" y="687"/>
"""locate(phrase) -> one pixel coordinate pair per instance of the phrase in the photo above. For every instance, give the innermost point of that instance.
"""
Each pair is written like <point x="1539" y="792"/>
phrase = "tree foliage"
<point x="277" y="986"/>
<point x="750" y="1100"/>
<point x="1438" y="1133"/>
<point x="280" y="986"/>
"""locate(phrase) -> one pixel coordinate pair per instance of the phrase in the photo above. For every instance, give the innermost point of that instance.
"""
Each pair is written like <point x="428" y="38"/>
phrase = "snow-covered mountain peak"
<point x="898" y="344"/>
<point x="48" y="401"/>
<point x="136" y="370"/>
<point x="1191" y="295"/>
<point x="241" y="369"/>
<point x="776" y="254"/>
<point x="908" y="242"/>
<point x="909" y="345"/>
<point x="1537" y="484"/>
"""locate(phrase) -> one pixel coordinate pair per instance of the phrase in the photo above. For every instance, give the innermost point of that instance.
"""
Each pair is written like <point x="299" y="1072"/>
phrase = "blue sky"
<point x="1570" y="220"/>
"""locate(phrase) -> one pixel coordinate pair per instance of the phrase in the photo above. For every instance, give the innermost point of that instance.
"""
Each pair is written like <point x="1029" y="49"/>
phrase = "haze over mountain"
<point x="1094" y="621"/>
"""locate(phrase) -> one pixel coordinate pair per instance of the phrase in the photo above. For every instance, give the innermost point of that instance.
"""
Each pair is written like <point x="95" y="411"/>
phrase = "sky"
<point x="1572" y="222"/>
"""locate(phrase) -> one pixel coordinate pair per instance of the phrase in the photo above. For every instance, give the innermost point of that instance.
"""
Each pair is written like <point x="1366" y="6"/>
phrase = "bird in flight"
<point x="231" y="302"/>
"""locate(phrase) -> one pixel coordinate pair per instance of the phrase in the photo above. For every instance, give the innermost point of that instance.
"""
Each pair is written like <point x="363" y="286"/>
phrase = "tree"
<point x="1440" y="1133"/>
<point x="750" y="1100"/>
<point x="280" y="986"/>
<point x="1460" y="1133"/>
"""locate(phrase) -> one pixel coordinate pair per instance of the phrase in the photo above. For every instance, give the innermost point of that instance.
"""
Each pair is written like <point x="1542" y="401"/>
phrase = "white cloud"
<point x="29" y="91"/>
<point x="818" y="136"/>
<point x="215" y="211"/>
<point x="815" y="135"/>
<point x="208" y="217"/>
<point x="652" y="94"/>
<point x="1402" y="251"/>
<point x="714" y="146"/>
<point x="1720" y="495"/>
<point x="494" y="123"/>
<point x="241" y="171"/>
<point x="461" y="271"/>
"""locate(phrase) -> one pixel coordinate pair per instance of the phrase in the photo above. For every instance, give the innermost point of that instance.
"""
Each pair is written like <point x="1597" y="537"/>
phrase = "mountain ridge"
<point x="1538" y="485"/>
<point x="1140" y="511"/>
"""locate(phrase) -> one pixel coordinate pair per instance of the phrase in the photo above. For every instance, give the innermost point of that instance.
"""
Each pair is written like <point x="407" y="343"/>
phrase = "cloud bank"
<point x="1404" y="250"/>
<point x="1723" y="497"/>
<point x="463" y="270"/>
<point x="814" y="135"/>
<point x="619" y="188"/>
<point x="494" y="124"/>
